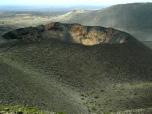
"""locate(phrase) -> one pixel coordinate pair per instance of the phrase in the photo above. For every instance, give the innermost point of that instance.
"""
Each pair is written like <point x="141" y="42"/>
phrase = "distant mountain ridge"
<point x="134" y="18"/>
<point x="133" y="15"/>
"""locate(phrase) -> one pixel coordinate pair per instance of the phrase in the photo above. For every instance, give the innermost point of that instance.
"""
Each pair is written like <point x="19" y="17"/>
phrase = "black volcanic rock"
<point x="76" y="33"/>
<point x="29" y="33"/>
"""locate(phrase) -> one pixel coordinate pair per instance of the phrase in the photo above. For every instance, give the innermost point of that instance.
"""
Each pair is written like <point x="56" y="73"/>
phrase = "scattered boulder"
<point x="27" y="34"/>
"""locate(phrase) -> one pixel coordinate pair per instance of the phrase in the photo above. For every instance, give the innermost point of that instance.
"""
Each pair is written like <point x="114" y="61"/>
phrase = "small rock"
<point x="7" y="109"/>
<point x="19" y="112"/>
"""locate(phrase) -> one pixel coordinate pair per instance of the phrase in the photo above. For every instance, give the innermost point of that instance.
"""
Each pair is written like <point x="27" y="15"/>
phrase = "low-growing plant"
<point x="82" y="95"/>
<point x="96" y="97"/>
<point x="29" y="110"/>
<point x="21" y="110"/>
<point x="94" y="108"/>
<point x="82" y="98"/>
<point x="102" y="90"/>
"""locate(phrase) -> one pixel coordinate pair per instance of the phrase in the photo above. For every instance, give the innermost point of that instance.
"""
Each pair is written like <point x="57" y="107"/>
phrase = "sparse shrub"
<point x="82" y="98"/>
<point x="96" y="97"/>
<point x="135" y="93"/>
<point x="102" y="90"/>
<point x="118" y="91"/>
<point x="99" y="105"/>
<point x="82" y="95"/>
<point x="92" y="92"/>
<point x="127" y="97"/>
<point x="94" y="108"/>
<point x="110" y="110"/>
<point x="110" y="100"/>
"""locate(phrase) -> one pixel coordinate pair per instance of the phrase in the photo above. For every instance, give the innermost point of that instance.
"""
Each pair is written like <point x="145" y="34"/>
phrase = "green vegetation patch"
<point x="25" y="110"/>
<point x="21" y="110"/>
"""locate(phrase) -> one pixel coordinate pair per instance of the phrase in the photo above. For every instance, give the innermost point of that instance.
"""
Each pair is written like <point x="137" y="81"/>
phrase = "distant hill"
<point x="134" y="18"/>
<point x="57" y="75"/>
<point x="135" y="15"/>
<point x="47" y="8"/>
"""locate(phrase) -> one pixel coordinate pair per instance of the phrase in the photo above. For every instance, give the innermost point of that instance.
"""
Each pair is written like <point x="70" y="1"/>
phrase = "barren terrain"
<point x="57" y="75"/>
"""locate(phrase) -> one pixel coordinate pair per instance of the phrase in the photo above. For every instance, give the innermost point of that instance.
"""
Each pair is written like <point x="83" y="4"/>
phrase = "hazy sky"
<point x="68" y="2"/>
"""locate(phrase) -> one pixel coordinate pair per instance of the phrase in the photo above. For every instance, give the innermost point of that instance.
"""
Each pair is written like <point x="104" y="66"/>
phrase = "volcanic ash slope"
<point x="48" y="67"/>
